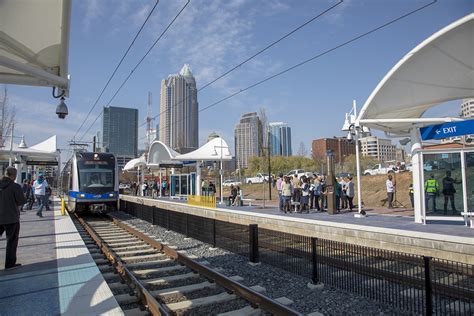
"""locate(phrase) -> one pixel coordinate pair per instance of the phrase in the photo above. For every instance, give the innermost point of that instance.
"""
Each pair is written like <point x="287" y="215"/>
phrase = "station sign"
<point x="445" y="130"/>
<point x="41" y="163"/>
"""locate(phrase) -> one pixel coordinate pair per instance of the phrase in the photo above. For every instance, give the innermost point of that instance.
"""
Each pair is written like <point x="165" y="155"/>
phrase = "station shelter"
<point x="438" y="70"/>
<point x="42" y="157"/>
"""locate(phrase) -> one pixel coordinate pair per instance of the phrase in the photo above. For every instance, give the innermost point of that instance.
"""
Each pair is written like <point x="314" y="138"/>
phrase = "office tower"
<point x="179" y="111"/>
<point x="248" y="138"/>
<point x="120" y="133"/>
<point x="280" y="139"/>
<point x="340" y="146"/>
<point x="378" y="148"/>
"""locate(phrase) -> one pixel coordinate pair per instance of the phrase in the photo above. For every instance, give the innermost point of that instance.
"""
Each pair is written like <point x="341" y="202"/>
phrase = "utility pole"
<point x="93" y="144"/>
<point x="270" y="180"/>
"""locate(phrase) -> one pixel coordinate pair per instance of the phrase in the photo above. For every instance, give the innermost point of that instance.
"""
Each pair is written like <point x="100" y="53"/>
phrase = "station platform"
<point x="57" y="276"/>
<point x="449" y="240"/>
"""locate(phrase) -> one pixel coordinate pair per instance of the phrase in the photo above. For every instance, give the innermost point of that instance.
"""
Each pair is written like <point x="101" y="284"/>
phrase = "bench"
<point x="468" y="216"/>
<point x="247" y="200"/>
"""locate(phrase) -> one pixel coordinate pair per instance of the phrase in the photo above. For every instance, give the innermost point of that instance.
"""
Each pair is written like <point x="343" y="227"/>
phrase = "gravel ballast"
<point x="277" y="282"/>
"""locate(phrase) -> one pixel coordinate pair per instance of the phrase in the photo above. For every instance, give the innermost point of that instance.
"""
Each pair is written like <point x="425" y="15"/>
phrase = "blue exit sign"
<point x="440" y="131"/>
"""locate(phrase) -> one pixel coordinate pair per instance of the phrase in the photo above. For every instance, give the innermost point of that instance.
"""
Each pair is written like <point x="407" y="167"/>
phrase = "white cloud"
<point x="93" y="10"/>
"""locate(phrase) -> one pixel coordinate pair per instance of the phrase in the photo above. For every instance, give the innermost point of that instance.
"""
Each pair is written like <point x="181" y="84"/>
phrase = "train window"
<point x="95" y="176"/>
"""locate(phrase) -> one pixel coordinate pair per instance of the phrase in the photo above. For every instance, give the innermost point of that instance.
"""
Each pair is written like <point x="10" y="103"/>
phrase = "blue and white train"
<point x="90" y="182"/>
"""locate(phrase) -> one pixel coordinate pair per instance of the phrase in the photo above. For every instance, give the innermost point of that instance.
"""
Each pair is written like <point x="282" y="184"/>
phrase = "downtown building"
<point x="279" y="134"/>
<point x="179" y="112"/>
<point x="340" y="146"/>
<point x="120" y="133"/>
<point x="248" y="136"/>
<point x="467" y="112"/>
<point x="379" y="148"/>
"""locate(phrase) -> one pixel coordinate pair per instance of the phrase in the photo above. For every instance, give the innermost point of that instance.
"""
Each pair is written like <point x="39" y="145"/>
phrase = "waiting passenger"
<point x="286" y="193"/>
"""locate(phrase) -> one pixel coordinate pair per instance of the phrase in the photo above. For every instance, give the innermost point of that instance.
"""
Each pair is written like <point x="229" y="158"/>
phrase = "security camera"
<point x="404" y="141"/>
<point x="61" y="109"/>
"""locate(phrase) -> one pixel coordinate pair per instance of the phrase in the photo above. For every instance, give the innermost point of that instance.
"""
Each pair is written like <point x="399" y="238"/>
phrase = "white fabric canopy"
<point x="34" y="42"/>
<point x="439" y="69"/>
<point x="160" y="154"/>
<point x="135" y="163"/>
<point x="44" y="151"/>
<point x="215" y="149"/>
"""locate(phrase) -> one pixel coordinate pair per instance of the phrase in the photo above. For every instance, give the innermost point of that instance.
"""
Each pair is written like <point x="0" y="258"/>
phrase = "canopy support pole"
<point x="198" y="177"/>
<point x="418" y="186"/>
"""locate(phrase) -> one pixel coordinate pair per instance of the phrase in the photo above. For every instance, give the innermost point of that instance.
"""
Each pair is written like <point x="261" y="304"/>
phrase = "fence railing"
<point x="411" y="283"/>
<point x="204" y="201"/>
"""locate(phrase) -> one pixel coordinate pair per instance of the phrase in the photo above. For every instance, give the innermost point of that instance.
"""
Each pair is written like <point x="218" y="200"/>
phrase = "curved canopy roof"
<point x="44" y="151"/>
<point x="34" y="42"/>
<point x="439" y="69"/>
<point x="135" y="163"/>
<point x="160" y="155"/>
<point x="215" y="149"/>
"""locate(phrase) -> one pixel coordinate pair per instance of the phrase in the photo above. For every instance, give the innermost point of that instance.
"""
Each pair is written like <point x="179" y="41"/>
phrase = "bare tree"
<point x="7" y="118"/>
<point x="302" y="151"/>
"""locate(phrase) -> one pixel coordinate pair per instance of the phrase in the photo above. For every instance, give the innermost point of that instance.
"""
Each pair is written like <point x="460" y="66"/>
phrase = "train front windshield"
<point x="96" y="176"/>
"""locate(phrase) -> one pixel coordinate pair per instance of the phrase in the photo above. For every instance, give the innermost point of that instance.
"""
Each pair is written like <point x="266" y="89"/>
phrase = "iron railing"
<point x="411" y="283"/>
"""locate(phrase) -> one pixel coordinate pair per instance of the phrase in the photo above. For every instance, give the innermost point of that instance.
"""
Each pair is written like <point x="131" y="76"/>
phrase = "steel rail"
<point x="147" y="299"/>
<point x="255" y="298"/>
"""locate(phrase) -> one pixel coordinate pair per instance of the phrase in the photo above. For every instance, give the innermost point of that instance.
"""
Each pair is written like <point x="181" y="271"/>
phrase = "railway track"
<point x="149" y="277"/>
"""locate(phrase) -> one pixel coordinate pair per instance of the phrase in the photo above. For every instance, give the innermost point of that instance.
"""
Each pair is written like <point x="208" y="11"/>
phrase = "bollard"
<point x="63" y="207"/>
<point x="253" y="247"/>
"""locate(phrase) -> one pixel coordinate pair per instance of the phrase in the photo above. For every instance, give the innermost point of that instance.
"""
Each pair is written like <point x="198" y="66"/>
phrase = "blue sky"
<point x="212" y="36"/>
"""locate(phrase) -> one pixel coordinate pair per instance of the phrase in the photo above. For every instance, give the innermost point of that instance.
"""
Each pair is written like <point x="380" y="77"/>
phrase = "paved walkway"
<point x="58" y="275"/>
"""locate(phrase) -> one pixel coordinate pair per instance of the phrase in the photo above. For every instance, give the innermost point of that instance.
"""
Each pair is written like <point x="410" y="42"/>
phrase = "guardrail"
<point x="412" y="283"/>
<point x="204" y="201"/>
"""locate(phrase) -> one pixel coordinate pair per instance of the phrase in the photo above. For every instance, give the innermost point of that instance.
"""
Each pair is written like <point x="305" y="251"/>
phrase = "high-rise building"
<point x="378" y="148"/>
<point x="467" y="112"/>
<point x="280" y="139"/>
<point x="248" y="138"/>
<point x="179" y="111"/>
<point x="340" y="146"/>
<point x="120" y="132"/>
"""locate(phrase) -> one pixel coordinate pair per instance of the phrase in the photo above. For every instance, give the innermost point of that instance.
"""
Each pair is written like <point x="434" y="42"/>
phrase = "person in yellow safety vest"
<point x="431" y="191"/>
<point x="410" y="193"/>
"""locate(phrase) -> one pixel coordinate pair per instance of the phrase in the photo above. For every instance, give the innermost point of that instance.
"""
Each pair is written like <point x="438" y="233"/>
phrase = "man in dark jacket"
<point x="11" y="198"/>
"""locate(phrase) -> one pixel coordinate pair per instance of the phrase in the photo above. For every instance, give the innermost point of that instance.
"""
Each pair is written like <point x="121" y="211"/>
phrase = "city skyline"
<point x="215" y="38"/>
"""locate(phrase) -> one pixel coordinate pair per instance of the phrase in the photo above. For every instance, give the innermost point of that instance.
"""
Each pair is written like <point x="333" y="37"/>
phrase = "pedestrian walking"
<point x="279" y="184"/>
<point x="449" y="191"/>
<point x="390" y="190"/>
<point x="25" y="187"/>
<point x="39" y="187"/>
<point x="350" y="193"/>
<point x="11" y="198"/>
<point x="431" y="191"/>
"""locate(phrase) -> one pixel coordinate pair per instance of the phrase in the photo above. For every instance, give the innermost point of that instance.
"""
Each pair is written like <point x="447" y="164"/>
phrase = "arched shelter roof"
<point x="439" y="69"/>
<point x="160" y="155"/>
<point x="135" y="163"/>
<point x="44" y="151"/>
<point x="34" y="42"/>
<point x="215" y="149"/>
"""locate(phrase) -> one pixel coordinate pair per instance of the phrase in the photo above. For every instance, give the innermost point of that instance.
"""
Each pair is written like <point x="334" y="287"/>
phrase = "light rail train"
<point x="89" y="182"/>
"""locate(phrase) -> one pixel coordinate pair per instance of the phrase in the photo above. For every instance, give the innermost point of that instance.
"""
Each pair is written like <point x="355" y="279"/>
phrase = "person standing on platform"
<point x="390" y="190"/>
<point x="40" y="192"/>
<point x="11" y="198"/>
<point x="448" y="191"/>
<point x="296" y="183"/>
<point x="431" y="191"/>
<point x="350" y="193"/>
<point x="411" y="194"/>
<point x="212" y="189"/>
<point x="286" y="194"/>
<point x="279" y="184"/>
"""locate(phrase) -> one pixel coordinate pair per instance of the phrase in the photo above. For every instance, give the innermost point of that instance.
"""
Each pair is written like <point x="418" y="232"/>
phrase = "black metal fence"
<point x="413" y="284"/>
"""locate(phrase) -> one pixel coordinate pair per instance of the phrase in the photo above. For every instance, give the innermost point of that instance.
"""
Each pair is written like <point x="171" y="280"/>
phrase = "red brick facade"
<point x="341" y="148"/>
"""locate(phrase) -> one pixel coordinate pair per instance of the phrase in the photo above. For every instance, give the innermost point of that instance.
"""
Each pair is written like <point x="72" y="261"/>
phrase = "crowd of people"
<point x="305" y="194"/>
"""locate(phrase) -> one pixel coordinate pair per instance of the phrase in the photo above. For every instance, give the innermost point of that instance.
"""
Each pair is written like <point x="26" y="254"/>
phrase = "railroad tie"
<point x="135" y="312"/>
<point x="183" y="289"/>
<point x="172" y="278"/>
<point x="246" y="311"/>
<point x="125" y="299"/>
<point x="148" y="263"/>
<point x="159" y="270"/>
<point x="144" y="257"/>
<point x="203" y="301"/>
<point x="127" y="253"/>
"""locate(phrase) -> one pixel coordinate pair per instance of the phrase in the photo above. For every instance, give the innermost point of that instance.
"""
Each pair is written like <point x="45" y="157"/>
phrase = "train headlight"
<point x="82" y="195"/>
<point x="111" y="195"/>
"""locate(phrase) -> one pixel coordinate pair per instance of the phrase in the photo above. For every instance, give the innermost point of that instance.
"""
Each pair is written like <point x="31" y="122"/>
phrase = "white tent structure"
<point x="44" y="153"/>
<point x="160" y="155"/>
<point x="34" y="43"/>
<point x="439" y="69"/>
<point x="216" y="149"/>
<point x="139" y="164"/>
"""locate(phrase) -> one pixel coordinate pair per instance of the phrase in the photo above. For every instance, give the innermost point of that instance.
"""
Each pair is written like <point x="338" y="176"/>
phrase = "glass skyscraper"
<point x="179" y="111"/>
<point x="248" y="138"/>
<point x="120" y="131"/>
<point x="280" y="139"/>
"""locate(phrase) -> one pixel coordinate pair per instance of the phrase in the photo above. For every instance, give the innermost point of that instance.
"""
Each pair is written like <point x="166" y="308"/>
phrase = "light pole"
<point x="354" y="130"/>
<point x="221" y="171"/>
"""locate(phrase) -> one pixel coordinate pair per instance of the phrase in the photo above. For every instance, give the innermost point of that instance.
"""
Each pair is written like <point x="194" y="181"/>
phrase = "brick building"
<point x="340" y="146"/>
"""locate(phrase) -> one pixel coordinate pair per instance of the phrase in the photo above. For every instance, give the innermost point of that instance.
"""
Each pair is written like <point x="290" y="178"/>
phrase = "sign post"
<point x="445" y="130"/>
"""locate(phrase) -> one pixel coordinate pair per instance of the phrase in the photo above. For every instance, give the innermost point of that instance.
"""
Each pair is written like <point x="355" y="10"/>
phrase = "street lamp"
<point x="353" y="129"/>
<point x="220" y="170"/>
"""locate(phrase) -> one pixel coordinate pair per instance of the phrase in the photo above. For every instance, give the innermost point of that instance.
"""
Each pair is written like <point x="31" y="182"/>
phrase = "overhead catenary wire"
<point x="137" y="65"/>
<point x="257" y="53"/>
<point x="353" y="39"/>
<point x="116" y="68"/>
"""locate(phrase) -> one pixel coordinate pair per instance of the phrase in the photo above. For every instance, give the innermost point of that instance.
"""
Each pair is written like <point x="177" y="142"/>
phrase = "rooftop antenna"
<point x="149" y="125"/>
